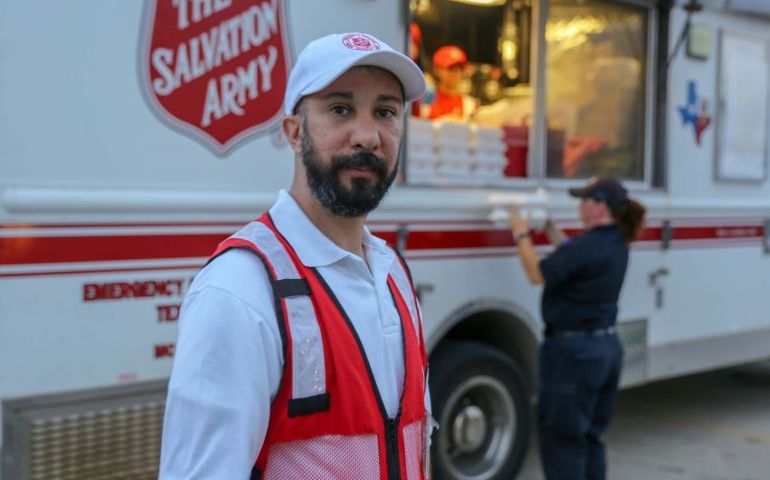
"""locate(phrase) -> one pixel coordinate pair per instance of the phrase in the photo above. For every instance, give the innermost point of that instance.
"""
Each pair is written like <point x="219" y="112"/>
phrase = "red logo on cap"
<point x="216" y="70"/>
<point x="360" y="41"/>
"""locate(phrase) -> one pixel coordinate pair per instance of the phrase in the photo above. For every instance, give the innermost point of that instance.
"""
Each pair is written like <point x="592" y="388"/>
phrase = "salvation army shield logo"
<point x="216" y="69"/>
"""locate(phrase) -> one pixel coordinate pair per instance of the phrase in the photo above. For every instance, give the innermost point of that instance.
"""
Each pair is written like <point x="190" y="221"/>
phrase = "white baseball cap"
<point x="325" y="59"/>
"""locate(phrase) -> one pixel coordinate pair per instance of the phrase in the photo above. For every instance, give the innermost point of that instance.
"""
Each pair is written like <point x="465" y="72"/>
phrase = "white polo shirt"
<point x="228" y="358"/>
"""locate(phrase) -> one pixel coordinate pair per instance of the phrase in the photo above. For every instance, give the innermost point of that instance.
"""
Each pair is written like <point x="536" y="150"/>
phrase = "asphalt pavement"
<point x="709" y="426"/>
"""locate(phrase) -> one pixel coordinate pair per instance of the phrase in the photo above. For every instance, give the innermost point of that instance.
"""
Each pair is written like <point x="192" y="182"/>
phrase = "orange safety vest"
<point x="327" y="420"/>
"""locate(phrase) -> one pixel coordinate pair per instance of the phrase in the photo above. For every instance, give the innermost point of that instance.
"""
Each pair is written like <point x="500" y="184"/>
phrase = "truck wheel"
<point x="482" y="406"/>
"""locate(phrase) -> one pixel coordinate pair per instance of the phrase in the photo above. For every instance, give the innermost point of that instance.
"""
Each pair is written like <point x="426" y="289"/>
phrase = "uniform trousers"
<point x="579" y="378"/>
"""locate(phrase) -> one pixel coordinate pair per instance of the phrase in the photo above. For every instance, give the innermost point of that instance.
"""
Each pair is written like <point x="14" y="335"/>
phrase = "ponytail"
<point x="631" y="220"/>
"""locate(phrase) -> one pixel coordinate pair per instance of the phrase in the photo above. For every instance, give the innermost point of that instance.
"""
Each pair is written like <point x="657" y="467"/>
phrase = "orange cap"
<point x="416" y="32"/>
<point x="449" y="56"/>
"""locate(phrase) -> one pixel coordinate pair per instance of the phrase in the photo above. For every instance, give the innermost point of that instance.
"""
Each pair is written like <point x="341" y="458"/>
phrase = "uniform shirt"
<point x="451" y="104"/>
<point x="583" y="279"/>
<point x="446" y="104"/>
<point x="228" y="359"/>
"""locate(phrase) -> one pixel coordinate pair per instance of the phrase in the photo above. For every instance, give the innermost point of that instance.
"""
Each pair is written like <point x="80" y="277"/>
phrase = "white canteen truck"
<point x="136" y="135"/>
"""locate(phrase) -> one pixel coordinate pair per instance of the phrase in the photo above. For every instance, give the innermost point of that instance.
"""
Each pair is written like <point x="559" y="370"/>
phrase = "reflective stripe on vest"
<point x="399" y="276"/>
<point x="403" y="281"/>
<point x="307" y="354"/>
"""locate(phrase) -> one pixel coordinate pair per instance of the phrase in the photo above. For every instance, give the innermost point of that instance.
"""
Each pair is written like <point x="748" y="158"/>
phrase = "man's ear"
<point x="292" y="130"/>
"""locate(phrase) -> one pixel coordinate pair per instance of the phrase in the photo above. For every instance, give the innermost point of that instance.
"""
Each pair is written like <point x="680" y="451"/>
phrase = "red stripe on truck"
<point x="72" y="249"/>
<point x="36" y="250"/>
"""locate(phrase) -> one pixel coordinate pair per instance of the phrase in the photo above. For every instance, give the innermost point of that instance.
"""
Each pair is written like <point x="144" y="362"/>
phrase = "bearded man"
<point x="300" y="351"/>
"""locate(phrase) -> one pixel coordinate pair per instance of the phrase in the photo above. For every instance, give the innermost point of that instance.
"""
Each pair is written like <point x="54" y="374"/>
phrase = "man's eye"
<point x="340" y="110"/>
<point x="386" y="112"/>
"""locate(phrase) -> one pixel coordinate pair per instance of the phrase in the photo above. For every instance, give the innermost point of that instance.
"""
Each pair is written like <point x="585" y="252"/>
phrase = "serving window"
<point x="489" y="119"/>
<point x="595" y="70"/>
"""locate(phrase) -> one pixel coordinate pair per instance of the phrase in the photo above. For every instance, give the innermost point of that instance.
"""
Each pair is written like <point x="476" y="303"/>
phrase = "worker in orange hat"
<point x="415" y="53"/>
<point x="415" y="41"/>
<point x="449" y="64"/>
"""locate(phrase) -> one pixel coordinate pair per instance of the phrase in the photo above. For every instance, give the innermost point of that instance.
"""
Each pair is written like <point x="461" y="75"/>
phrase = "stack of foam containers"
<point x="488" y="150"/>
<point x="453" y="147"/>
<point x="421" y="150"/>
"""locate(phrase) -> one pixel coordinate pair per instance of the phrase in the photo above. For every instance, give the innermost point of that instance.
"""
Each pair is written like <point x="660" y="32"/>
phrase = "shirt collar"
<point x="313" y="248"/>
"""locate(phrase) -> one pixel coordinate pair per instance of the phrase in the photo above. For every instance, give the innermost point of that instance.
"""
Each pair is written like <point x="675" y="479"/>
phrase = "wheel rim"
<point x="478" y="426"/>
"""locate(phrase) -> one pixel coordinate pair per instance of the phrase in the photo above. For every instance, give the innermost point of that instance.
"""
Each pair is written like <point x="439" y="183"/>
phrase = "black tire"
<point x="482" y="405"/>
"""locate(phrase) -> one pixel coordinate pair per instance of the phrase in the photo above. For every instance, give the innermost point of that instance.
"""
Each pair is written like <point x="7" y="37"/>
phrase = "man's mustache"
<point x="360" y="160"/>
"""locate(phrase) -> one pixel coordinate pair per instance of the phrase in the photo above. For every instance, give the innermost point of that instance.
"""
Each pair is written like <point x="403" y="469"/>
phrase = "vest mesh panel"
<point x="330" y="457"/>
<point x="413" y="442"/>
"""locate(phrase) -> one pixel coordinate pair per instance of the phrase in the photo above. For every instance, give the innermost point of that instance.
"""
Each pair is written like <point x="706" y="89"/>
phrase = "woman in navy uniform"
<point x="581" y="356"/>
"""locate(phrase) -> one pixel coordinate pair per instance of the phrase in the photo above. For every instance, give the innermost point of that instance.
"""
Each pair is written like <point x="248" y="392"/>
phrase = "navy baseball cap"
<point x="606" y="190"/>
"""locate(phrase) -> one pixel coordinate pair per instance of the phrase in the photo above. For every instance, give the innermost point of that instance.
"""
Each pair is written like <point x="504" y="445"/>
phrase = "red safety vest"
<point x="327" y="420"/>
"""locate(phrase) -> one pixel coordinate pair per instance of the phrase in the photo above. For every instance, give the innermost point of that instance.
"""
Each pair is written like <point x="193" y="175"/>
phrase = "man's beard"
<point x="324" y="181"/>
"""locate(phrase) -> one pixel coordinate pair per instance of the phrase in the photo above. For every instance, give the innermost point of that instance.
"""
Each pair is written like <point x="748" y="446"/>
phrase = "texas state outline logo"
<point x="695" y="112"/>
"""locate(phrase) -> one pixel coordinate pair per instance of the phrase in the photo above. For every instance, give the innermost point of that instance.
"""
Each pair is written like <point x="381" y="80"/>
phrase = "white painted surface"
<point x="78" y="144"/>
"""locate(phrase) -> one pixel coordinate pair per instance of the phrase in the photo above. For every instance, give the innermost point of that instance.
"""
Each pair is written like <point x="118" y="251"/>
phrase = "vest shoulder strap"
<point x="297" y="318"/>
<point x="402" y="277"/>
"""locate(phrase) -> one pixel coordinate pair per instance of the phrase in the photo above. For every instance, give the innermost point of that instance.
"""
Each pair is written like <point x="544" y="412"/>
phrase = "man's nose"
<point x="365" y="134"/>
